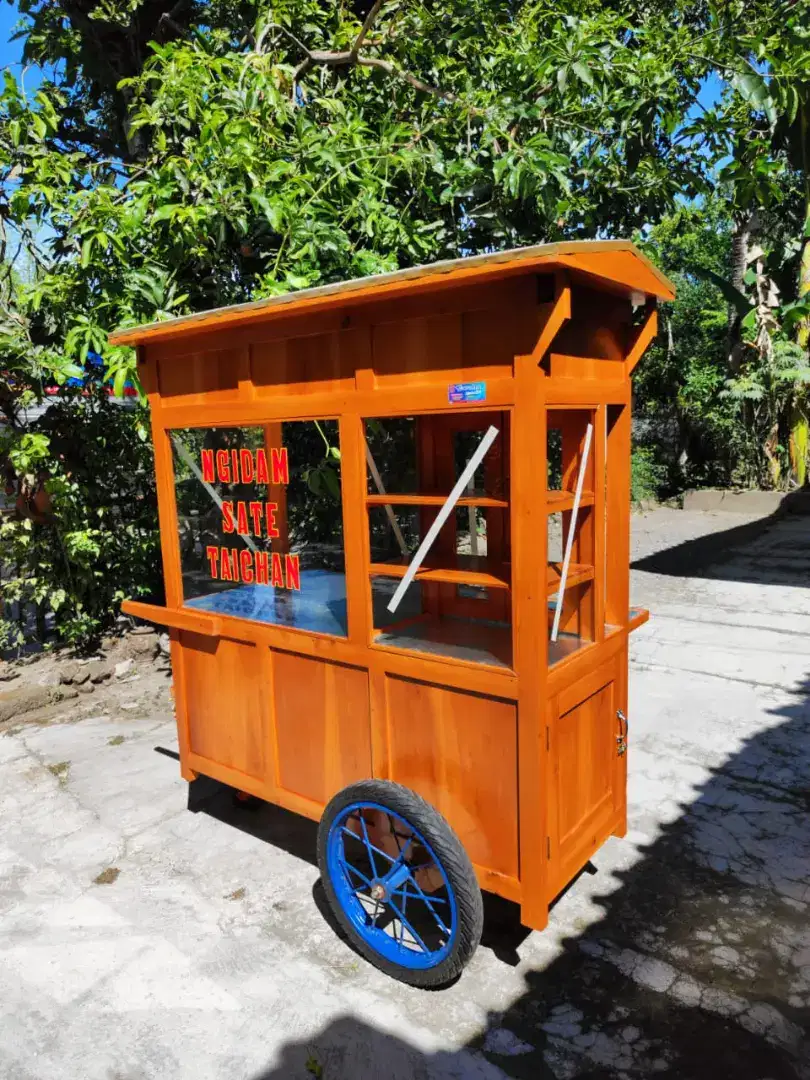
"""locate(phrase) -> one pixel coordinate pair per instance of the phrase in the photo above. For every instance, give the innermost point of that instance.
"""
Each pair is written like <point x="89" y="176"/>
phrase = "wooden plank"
<point x="399" y="401"/>
<point x="355" y="528"/>
<point x="179" y="618"/>
<point x="457" y="570"/>
<point x="224" y="679"/>
<point x="638" y="616"/>
<point x="322" y="726"/>
<point x="617" y="515"/>
<point x="459" y="751"/>
<point x="392" y="498"/>
<point x="577" y="574"/>
<point x="559" y="501"/>
<point x="530" y="631"/>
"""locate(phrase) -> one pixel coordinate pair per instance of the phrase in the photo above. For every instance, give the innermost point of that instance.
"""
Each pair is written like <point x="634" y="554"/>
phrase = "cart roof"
<point x="617" y="262"/>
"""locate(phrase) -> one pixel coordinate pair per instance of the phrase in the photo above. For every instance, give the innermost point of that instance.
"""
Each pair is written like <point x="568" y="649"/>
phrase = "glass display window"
<point x="439" y="535"/>
<point x="260" y="523"/>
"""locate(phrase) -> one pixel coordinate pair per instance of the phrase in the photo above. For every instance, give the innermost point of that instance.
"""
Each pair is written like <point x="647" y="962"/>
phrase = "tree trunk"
<point x="740" y="243"/>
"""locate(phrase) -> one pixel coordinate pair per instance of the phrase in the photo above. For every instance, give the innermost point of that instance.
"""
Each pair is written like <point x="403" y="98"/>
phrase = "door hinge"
<point x="548" y="847"/>
<point x="548" y="739"/>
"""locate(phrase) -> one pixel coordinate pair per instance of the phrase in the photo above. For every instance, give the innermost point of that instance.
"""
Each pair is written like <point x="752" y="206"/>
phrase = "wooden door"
<point x="584" y="795"/>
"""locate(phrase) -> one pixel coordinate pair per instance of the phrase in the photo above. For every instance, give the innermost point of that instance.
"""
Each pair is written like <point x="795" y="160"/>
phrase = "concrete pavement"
<point x="141" y="940"/>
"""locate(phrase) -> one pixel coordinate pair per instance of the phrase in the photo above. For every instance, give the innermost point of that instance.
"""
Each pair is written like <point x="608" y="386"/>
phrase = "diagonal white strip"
<point x="571" y="530"/>
<point x="442" y="516"/>
<point x="183" y="451"/>
<point x="392" y="518"/>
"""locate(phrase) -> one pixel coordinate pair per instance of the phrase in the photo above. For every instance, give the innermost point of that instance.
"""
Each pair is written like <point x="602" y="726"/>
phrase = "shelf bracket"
<point x="559" y="314"/>
<point x="646" y="333"/>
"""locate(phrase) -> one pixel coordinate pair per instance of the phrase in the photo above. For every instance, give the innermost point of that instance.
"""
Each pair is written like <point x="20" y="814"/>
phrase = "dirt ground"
<point x="148" y="930"/>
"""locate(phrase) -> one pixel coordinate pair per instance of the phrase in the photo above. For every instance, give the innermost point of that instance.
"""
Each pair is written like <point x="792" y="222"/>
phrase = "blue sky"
<point x="11" y="51"/>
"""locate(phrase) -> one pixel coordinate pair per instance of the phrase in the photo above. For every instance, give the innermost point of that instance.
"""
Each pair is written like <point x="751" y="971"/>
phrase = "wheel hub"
<point x="378" y="891"/>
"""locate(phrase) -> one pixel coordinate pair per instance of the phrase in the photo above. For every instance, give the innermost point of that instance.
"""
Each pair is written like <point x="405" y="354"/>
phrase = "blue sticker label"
<point x="467" y="391"/>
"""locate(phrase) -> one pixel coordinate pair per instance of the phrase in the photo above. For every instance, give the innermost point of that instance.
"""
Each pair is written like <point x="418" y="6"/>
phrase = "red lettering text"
<point x="225" y="565"/>
<point x="246" y="462"/>
<point x="272" y="528"/>
<point x="280" y="466"/>
<point x="262" y="568"/>
<point x="212" y="553"/>
<point x="207" y="457"/>
<point x="227" y="517"/>
<point x="293" y="571"/>
<point x="223" y="468"/>
<point x="256" y="513"/>
<point x="262" y="475"/>
<point x="246" y="568"/>
<point x="241" y="519"/>
<point x="278" y="578"/>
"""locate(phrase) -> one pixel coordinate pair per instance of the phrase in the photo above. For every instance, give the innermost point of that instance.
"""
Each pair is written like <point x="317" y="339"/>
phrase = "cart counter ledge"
<point x="395" y="517"/>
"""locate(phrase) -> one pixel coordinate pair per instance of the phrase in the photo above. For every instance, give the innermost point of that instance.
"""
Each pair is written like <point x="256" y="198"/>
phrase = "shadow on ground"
<point x="694" y="970"/>
<point x="769" y="564"/>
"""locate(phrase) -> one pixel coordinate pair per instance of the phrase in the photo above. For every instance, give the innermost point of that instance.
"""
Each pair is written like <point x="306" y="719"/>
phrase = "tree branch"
<point x="399" y="73"/>
<point x="349" y="57"/>
<point x="367" y="25"/>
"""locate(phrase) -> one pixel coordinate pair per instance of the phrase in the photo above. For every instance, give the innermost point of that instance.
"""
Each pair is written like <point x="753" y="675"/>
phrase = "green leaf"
<point x="738" y="300"/>
<point x="584" y="73"/>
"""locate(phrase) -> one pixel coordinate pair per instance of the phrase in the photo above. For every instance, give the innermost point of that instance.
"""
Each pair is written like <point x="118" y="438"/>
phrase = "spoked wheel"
<point x="399" y="882"/>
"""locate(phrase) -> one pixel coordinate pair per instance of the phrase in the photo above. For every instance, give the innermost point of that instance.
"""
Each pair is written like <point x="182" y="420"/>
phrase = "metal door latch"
<point x="621" y="738"/>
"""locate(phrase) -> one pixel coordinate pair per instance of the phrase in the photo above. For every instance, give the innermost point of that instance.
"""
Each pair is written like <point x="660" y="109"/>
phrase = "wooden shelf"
<point x="477" y="570"/>
<point x="577" y="574"/>
<point x="464" y="570"/>
<point x="430" y="499"/>
<point x="558" y="501"/>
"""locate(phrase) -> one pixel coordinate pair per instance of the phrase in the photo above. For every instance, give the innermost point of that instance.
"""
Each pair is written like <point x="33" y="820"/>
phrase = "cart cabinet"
<point x="394" y="521"/>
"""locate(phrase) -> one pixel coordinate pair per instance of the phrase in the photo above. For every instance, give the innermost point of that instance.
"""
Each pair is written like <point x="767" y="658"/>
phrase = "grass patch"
<point x="237" y="894"/>
<point x="108" y="876"/>
<point x="116" y="740"/>
<point x="60" y="770"/>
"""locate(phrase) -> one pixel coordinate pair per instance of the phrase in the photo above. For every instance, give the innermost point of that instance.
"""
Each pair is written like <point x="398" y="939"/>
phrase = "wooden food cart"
<point x="394" y="520"/>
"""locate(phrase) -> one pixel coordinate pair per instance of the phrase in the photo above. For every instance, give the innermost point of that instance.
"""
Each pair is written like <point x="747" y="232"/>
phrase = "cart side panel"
<point x="225" y="703"/>
<point x="583" y="800"/>
<point x="304" y="365"/>
<point x="459" y="751"/>
<point x="322" y="725"/>
<point x="208" y="377"/>
<point x="448" y="347"/>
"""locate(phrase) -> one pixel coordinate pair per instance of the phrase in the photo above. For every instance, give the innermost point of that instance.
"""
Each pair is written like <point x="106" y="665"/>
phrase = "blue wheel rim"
<point x="409" y="925"/>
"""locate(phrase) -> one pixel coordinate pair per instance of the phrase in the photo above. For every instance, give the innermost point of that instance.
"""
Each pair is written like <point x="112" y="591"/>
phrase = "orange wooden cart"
<point x="394" y="520"/>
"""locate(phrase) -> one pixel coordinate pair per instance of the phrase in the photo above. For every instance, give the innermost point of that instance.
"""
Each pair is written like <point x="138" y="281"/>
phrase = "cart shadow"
<point x="698" y="968"/>
<point x="708" y="556"/>
<point x="503" y="930"/>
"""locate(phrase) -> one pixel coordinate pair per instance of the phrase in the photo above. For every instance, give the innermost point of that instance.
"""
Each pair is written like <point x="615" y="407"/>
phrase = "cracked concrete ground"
<point x="142" y="939"/>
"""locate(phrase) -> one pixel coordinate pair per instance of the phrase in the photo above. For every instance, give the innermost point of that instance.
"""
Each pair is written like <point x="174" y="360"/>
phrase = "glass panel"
<point x="565" y="458"/>
<point x="391" y="446"/>
<point x="418" y="624"/>
<point x="460" y="604"/>
<point x="261" y="523"/>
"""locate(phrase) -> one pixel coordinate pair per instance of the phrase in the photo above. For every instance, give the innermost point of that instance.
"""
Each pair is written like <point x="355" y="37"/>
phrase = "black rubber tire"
<point x="455" y="863"/>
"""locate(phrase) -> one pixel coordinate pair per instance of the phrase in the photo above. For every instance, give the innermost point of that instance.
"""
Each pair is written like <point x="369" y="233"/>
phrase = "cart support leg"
<point x="534" y="914"/>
